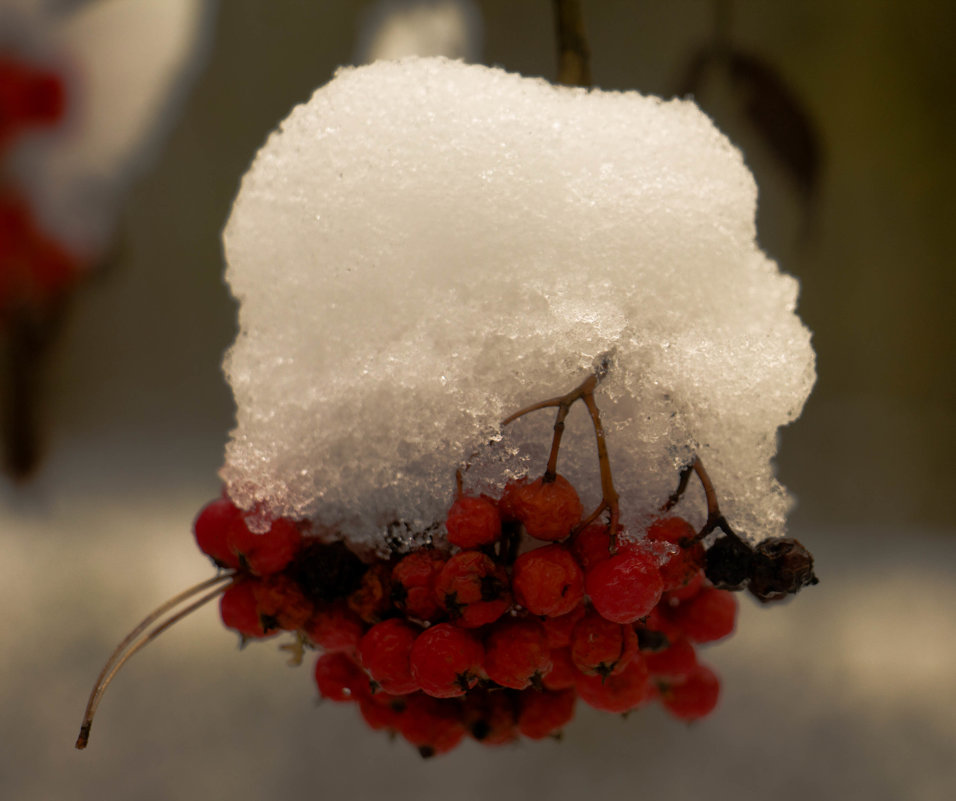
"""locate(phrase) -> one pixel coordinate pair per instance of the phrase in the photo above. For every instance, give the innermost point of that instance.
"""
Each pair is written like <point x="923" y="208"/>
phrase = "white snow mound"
<point x="426" y="247"/>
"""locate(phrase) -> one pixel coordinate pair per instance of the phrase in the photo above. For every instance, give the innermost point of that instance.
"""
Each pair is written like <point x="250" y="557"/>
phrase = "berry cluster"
<point x="33" y="267"/>
<point x="525" y="606"/>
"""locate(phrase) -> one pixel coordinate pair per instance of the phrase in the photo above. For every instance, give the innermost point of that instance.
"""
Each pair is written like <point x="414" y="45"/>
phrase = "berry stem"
<point x="715" y="519"/>
<point x="574" y="56"/>
<point x="584" y="392"/>
<point x="136" y="640"/>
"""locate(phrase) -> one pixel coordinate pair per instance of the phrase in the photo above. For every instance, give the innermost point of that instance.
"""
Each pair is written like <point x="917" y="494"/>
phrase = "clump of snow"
<point x="426" y="247"/>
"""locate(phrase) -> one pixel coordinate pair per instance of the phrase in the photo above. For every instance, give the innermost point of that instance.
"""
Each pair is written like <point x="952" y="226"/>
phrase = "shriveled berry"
<point x="620" y="692"/>
<point x="473" y="522"/>
<point x="340" y="679"/>
<point x="413" y="583"/>
<point x="385" y="651"/>
<point x="626" y="586"/>
<point x="677" y="569"/>
<point x="373" y="598"/>
<point x="692" y="697"/>
<point x="548" y="581"/>
<point x="709" y="616"/>
<point x="729" y="563"/>
<point x="543" y="713"/>
<point x="517" y="653"/>
<point x="446" y="660"/>
<point x="473" y="589"/>
<point x="335" y="627"/>
<point x="600" y="647"/>
<point x="547" y="509"/>
<point x="782" y="566"/>
<point x="281" y="604"/>
<point x="326" y="571"/>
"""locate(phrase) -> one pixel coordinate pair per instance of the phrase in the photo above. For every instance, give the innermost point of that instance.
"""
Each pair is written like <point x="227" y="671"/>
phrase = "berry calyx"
<point x="517" y="654"/>
<point x="473" y="589"/>
<point x="600" y="647"/>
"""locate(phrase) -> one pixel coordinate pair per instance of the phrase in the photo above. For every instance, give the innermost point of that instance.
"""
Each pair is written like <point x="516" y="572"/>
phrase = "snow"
<point x="426" y="247"/>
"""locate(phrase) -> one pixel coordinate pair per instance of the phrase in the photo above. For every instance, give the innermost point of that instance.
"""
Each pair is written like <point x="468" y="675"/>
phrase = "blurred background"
<point x="848" y="690"/>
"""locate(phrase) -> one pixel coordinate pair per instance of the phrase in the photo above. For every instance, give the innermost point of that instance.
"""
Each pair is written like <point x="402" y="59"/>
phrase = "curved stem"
<point x="130" y="645"/>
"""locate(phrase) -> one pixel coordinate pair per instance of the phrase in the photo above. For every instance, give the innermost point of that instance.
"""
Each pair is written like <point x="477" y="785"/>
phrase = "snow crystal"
<point x="426" y="247"/>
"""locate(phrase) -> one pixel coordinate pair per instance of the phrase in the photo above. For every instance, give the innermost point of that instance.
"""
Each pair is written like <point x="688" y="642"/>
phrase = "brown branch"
<point x="574" y="56"/>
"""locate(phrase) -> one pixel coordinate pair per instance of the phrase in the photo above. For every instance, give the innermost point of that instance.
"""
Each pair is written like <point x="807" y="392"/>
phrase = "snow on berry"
<point x="482" y="290"/>
<point x="554" y="228"/>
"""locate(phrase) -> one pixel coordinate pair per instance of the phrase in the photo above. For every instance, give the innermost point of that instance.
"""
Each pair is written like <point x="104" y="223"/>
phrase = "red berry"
<point x="385" y="650"/>
<point x="382" y="711"/>
<point x="239" y="610"/>
<point x="624" y="587"/>
<point x="564" y="673"/>
<point x="267" y="553"/>
<point x="335" y="627"/>
<point x="617" y="693"/>
<point x="517" y="653"/>
<point x="543" y="714"/>
<point x="473" y="522"/>
<point x="548" y="581"/>
<point x="431" y="725"/>
<point x="547" y="509"/>
<point x="709" y="616"/>
<point x="559" y="629"/>
<point x="678" y="568"/>
<point x="600" y="647"/>
<point x="446" y="660"/>
<point x="281" y="603"/>
<point x="373" y="598"/>
<point x="473" y="589"/>
<point x="693" y="697"/>
<point x="340" y="679"/>
<point x="676" y="661"/>
<point x="688" y="591"/>
<point x="591" y="545"/>
<point x="490" y="717"/>
<point x="211" y="528"/>
<point x="413" y="583"/>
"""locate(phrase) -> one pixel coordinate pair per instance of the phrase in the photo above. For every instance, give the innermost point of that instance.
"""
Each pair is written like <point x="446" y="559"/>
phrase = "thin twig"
<point x="574" y="56"/>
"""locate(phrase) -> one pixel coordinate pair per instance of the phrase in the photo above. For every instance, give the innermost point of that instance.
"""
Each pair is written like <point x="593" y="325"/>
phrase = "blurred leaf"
<point x="771" y="106"/>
